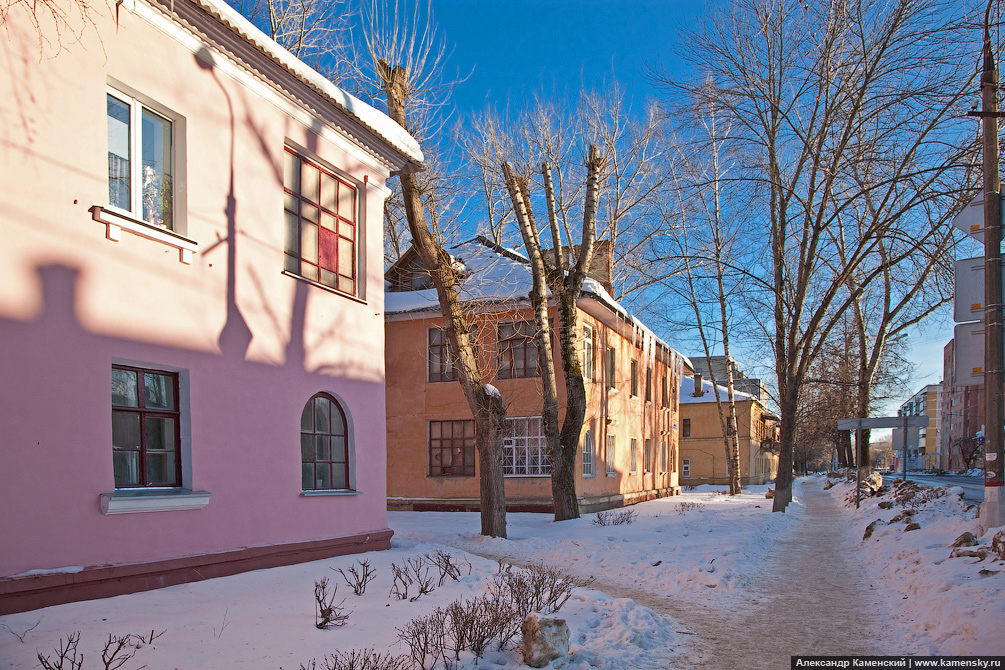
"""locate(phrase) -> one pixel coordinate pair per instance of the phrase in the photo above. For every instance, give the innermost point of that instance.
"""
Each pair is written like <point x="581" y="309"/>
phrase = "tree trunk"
<point x="539" y="299"/>
<point x="565" y="284"/>
<point x="487" y="405"/>
<point x="845" y="458"/>
<point x="786" y="440"/>
<point x="563" y="474"/>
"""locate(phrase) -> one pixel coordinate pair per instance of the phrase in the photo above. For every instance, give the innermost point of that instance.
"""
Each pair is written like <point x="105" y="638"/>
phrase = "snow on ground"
<point x="949" y="606"/>
<point x="265" y="619"/>
<point x="716" y="543"/>
<point x="701" y="547"/>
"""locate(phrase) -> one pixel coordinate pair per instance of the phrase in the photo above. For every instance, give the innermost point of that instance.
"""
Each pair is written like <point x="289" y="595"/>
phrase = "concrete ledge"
<point x="587" y="504"/>
<point x="21" y="594"/>
<point x="755" y="480"/>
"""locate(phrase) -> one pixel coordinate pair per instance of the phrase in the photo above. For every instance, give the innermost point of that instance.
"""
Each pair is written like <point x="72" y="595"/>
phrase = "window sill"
<point x="147" y="500"/>
<point x="526" y="476"/>
<point x="115" y="223"/>
<point x="330" y="492"/>
<point x="323" y="287"/>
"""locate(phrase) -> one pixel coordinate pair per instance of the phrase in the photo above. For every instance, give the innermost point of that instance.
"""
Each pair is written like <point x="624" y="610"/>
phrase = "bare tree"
<point x="486" y="145"/>
<point x="832" y="103"/>
<point x="57" y="25"/>
<point x="565" y="280"/>
<point x="315" y="31"/>
<point x="698" y="234"/>
<point x="900" y="298"/>
<point x="406" y="56"/>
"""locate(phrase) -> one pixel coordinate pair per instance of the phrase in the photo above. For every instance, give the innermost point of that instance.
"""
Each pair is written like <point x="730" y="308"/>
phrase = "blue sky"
<point x="520" y="47"/>
<point x="516" y="48"/>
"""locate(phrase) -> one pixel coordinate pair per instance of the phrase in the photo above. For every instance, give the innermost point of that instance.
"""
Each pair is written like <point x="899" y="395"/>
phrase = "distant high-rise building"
<point x="924" y="454"/>
<point x="962" y="417"/>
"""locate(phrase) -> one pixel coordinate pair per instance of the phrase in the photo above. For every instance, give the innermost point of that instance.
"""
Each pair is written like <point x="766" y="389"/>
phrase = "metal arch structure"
<point x="858" y="425"/>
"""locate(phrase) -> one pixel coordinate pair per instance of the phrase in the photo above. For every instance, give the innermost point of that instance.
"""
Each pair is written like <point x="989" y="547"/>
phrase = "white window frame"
<point x="685" y="468"/>
<point x="589" y="353"/>
<point x="634" y="466"/>
<point x="533" y="447"/>
<point x="609" y="455"/>
<point x="589" y="449"/>
<point x="137" y="103"/>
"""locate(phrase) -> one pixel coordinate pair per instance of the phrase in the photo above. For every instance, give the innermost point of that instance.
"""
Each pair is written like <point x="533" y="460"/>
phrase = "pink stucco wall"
<point x="255" y="344"/>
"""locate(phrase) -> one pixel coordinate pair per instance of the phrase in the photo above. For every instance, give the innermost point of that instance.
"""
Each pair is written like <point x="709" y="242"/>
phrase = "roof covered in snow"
<point x="687" y="396"/>
<point x="374" y="120"/>
<point x="496" y="274"/>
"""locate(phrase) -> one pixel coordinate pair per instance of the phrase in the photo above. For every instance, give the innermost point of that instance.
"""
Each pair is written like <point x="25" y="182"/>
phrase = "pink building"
<point x="191" y="305"/>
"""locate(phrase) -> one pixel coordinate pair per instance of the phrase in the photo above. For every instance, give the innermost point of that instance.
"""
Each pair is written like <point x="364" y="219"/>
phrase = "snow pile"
<point x="949" y="606"/>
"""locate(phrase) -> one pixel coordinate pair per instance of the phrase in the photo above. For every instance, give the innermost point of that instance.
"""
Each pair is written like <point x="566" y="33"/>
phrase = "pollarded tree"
<point x="554" y="271"/>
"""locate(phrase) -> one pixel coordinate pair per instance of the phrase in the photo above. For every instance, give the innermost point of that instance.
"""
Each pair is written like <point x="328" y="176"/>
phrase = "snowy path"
<point x="823" y="606"/>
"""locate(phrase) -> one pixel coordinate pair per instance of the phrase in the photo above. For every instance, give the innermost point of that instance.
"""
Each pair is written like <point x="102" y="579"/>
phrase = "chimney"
<point x="699" y="390"/>
<point x="602" y="264"/>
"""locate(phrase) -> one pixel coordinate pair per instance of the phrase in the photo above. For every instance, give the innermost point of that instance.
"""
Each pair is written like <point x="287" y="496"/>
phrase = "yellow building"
<point x="702" y="448"/>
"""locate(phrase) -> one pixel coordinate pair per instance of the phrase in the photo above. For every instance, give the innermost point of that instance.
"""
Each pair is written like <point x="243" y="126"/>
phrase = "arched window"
<point x="589" y="448"/>
<point x="324" y="445"/>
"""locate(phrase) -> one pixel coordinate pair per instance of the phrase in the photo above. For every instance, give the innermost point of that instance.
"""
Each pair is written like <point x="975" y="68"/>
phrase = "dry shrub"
<point x="412" y="573"/>
<point x="447" y="566"/>
<point x="534" y="589"/>
<point x="612" y="518"/>
<point x="116" y="652"/>
<point x="358" y="577"/>
<point x="361" y="659"/>
<point x="326" y="612"/>
<point x="685" y="507"/>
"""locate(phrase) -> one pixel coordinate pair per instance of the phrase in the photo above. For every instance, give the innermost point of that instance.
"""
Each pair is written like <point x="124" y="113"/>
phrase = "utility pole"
<point x="992" y="511"/>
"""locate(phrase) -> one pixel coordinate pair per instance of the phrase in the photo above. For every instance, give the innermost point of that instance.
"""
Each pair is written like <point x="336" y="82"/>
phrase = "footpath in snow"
<point x="696" y="581"/>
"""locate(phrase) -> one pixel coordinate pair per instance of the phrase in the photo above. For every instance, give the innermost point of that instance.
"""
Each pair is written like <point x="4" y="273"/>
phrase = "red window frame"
<point x="320" y="442"/>
<point x="144" y="452"/>
<point x="320" y="211"/>
<point x="452" y="448"/>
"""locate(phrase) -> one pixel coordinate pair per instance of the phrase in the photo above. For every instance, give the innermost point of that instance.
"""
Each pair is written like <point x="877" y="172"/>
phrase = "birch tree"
<point x="701" y="236"/>
<point x="802" y="84"/>
<point x="565" y="280"/>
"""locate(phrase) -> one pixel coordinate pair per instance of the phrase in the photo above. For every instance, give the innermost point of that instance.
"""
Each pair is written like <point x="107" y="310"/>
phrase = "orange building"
<point x="628" y="446"/>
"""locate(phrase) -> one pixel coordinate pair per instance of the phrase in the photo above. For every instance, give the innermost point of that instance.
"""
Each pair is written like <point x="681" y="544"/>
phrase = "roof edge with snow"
<point x="372" y="119"/>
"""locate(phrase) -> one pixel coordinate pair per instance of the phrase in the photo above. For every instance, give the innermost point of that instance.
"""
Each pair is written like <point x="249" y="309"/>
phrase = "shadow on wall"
<point x="56" y="338"/>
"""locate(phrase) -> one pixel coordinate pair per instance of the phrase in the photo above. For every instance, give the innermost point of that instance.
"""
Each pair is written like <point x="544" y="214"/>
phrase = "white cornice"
<point x="341" y="134"/>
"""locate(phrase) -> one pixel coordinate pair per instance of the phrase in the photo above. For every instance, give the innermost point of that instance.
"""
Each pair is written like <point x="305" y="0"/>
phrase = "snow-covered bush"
<point x="686" y="506"/>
